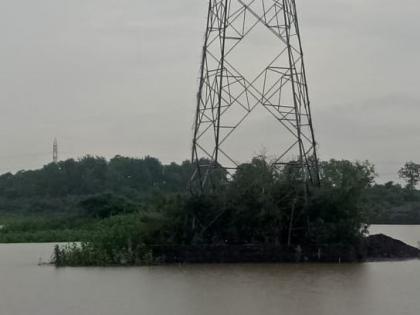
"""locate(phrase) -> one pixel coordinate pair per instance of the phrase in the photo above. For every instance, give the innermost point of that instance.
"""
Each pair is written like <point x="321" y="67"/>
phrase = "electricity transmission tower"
<point x="231" y="90"/>
<point x="55" y="151"/>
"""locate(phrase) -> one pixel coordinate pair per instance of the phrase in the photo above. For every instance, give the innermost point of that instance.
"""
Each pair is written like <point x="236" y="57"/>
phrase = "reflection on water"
<point x="389" y="288"/>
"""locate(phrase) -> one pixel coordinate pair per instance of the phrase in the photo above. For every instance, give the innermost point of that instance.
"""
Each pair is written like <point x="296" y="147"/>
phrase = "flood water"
<point x="386" y="288"/>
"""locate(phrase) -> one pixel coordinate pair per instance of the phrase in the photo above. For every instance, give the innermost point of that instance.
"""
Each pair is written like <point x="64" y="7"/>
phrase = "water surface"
<point x="386" y="288"/>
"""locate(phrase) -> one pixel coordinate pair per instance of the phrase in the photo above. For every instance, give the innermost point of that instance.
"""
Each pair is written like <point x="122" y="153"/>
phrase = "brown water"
<point x="388" y="288"/>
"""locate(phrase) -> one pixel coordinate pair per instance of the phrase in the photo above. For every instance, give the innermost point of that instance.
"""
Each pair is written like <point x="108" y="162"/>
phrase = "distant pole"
<point x="55" y="151"/>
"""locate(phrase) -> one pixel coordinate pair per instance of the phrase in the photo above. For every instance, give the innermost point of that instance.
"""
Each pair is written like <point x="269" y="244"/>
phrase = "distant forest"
<point x="94" y="186"/>
<point x="60" y="188"/>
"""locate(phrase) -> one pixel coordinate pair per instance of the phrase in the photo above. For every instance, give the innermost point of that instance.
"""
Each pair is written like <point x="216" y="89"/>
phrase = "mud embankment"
<point x="373" y="248"/>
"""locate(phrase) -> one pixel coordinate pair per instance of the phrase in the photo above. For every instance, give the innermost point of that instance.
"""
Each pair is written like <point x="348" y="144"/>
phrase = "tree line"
<point x="120" y="208"/>
<point x="61" y="187"/>
<point x="72" y="186"/>
<point x="90" y="175"/>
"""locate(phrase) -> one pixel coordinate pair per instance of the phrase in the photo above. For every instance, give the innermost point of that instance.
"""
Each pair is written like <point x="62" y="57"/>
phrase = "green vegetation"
<point x="258" y="205"/>
<point x="62" y="202"/>
<point x="60" y="188"/>
<point x="30" y="229"/>
<point x="393" y="204"/>
<point x="119" y="210"/>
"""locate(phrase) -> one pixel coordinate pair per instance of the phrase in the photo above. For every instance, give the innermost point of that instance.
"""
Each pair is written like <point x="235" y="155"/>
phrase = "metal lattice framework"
<point x="228" y="96"/>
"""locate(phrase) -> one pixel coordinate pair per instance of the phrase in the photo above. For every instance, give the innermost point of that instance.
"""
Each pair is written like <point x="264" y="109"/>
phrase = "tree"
<point x="411" y="174"/>
<point x="347" y="176"/>
<point x="337" y="210"/>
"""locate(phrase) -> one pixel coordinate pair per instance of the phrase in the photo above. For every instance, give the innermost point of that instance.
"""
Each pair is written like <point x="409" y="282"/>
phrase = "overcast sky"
<point x="111" y="77"/>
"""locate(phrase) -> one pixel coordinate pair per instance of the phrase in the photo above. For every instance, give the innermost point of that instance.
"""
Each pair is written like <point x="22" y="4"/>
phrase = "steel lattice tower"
<point x="228" y="96"/>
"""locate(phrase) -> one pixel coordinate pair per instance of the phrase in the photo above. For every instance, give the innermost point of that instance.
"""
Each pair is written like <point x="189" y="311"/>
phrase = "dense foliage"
<point x="258" y="205"/>
<point x="120" y="209"/>
<point x="393" y="204"/>
<point x="61" y="187"/>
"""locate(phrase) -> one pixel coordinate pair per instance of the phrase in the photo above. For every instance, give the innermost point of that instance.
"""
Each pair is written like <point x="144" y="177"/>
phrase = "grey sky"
<point x="111" y="77"/>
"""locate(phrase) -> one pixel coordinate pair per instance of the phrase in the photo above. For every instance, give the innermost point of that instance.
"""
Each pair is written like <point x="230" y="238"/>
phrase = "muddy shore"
<point x="373" y="248"/>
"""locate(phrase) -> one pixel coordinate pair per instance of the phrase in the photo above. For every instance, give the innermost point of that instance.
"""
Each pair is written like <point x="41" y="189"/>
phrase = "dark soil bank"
<point x="382" y="247"/>
<point x="373" y="248"/>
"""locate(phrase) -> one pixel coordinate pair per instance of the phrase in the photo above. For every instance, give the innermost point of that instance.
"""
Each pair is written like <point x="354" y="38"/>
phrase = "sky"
<point x="110" y="77"/>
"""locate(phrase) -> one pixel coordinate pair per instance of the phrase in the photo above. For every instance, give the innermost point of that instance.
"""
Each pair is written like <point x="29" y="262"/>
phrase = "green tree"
<point x="411" y="174"/>
<point x="337" y="210"/>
